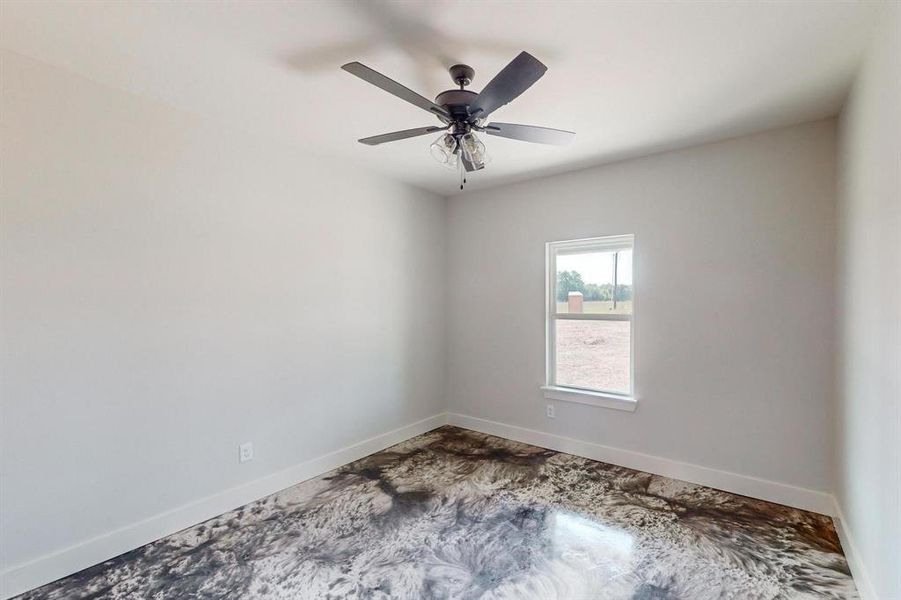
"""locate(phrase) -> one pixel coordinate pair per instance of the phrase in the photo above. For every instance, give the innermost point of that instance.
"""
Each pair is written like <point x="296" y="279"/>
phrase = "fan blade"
<point x="392" y="87"/>
<point x="530" y="133"/>
<point x="398" y="135"/>
<point x="513" y="80"/>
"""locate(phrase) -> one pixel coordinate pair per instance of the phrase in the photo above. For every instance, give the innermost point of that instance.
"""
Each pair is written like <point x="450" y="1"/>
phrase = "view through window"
<point x="590" y="314"/>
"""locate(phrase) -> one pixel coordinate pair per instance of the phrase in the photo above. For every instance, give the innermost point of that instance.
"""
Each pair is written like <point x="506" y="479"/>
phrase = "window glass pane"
<point x="585" y="282"/>
<point x="593" y="354"/>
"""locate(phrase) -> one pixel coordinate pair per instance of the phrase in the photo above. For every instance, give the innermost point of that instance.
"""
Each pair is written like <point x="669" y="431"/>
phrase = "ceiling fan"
<point x="463" y="112"/>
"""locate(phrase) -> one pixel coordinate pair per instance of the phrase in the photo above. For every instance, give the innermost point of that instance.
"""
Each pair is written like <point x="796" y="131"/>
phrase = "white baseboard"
<point x="35" y="573"/>
<point x="762" y="489"/>
<point x="51" y="567"/>
<point x="858" y="571"/>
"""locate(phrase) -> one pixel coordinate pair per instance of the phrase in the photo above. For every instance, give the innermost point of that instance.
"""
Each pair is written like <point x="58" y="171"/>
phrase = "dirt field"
<point x="593" y="354"/>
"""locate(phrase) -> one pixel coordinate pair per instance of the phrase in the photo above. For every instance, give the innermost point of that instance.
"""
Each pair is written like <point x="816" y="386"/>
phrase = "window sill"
<point x="603" y="399"/>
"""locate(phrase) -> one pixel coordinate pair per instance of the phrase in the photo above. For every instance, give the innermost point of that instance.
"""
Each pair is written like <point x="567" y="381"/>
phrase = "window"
<point x="589" y="321"/>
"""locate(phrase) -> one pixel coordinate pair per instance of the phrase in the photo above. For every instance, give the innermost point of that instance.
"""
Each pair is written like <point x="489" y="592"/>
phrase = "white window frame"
<point x="604" y="398"/>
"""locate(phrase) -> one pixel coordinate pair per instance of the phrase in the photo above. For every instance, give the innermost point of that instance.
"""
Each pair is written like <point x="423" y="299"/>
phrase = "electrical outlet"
<point x="550" y="411"/>
<point x="245" y="452"/>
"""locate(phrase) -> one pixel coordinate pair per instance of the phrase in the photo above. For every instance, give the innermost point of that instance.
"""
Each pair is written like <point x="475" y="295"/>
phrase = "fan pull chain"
<point x="462" y="174"/>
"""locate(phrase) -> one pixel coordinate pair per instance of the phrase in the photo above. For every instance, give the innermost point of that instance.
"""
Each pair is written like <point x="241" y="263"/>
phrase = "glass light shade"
<point x="474" y="150"/>
<point x="452" y="161"/>
<point x="443" y="148"/>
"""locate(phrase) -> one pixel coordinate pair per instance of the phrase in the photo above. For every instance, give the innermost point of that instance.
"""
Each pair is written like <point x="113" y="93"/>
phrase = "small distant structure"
<point x="574" y="300"/>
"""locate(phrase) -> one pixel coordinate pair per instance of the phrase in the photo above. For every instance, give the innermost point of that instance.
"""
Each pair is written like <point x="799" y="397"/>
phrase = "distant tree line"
<point x="571" y="281"/>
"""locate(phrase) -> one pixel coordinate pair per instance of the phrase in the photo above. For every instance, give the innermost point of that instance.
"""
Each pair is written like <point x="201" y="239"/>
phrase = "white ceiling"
<point x="629" y="77"/>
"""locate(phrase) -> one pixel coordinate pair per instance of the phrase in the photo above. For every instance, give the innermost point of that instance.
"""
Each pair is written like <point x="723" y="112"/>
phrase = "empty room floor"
<point x="458" y="514"/>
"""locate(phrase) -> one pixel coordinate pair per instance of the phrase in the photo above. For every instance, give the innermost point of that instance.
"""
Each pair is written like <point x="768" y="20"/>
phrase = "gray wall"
<point x="169" y="286"/>
<point x="734" y="260"/>
<point x="868" y="480"/>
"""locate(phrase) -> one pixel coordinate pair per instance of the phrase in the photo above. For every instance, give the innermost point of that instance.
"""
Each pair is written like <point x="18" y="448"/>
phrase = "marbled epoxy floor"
<point x="457" y="514"/>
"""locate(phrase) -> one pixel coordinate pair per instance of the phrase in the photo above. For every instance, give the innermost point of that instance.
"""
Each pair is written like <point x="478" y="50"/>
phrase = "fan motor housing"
<point x="457" y="102"/>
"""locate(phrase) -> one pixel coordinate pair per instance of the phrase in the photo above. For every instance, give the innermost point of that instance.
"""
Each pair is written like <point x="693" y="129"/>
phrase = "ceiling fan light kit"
<point x="463" y="112"/>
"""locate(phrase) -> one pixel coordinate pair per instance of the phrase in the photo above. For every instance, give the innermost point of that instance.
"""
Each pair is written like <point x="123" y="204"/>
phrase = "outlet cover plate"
<point x="245" y="452"/>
